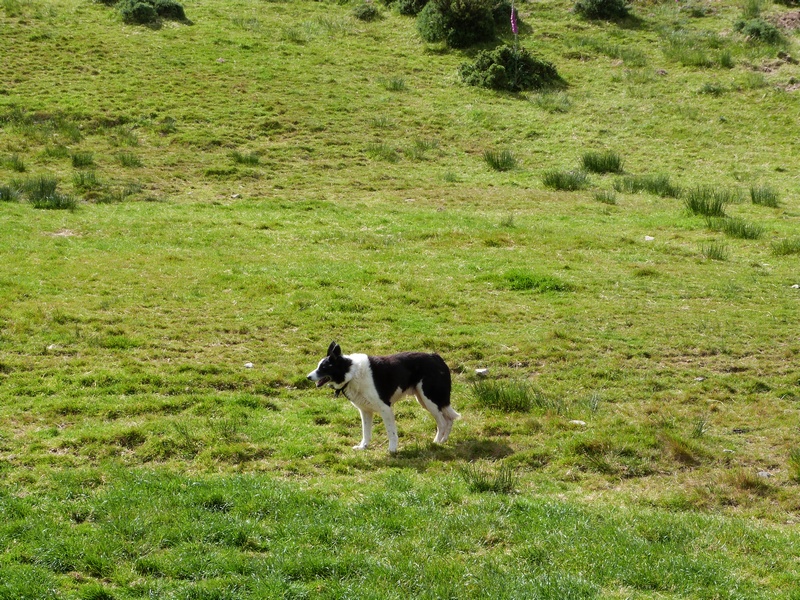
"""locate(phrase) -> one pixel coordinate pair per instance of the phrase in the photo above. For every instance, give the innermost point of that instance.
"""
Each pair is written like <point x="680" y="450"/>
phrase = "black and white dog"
<point x="374" y="383"/>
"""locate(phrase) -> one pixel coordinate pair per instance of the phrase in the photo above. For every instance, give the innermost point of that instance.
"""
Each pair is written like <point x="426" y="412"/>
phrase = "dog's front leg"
<point x="366" y="429"/>
<point x="387" y="414"/>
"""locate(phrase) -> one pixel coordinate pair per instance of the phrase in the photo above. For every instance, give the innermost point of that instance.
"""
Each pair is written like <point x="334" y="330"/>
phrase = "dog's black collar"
<point x="340" y="390"/>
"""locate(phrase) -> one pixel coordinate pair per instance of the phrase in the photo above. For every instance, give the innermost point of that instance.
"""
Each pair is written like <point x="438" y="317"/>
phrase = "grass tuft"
<point x="129" y="159"/>
<point x="82" y="160"/>
<point x="794" y="464"/>
<point x="602" y="162"/>
<point x="565" y="181"/>
<point x="552" y="102"/>
<point x="735" y="227"/>
<point x="786" y="247"/>
<point x="505" y="396"/>
<point x="659" y="185"/>
<point x="708" y="201"/>
<point x="714" y="251"/>
<point x="85" y="180"/>
<point x="606" y="197"/>
<point x="502" y="481"/>
<point x="15" y="163"/>
<point x="394" y="84"/>
<point x="8" y="193"/>
<point x="521" y="280"/>
<point x="500" y="160"/>
<point x="383" y="151"/>
<point x="251" y="159"/>
<point x="764" y="196"/>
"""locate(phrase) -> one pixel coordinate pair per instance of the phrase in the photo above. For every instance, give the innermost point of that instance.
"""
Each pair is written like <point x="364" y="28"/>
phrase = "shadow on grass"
<point x="419" y="457"/>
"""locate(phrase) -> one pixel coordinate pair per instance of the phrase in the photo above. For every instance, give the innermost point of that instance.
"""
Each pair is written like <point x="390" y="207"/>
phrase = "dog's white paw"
<point x="361" y="446"/>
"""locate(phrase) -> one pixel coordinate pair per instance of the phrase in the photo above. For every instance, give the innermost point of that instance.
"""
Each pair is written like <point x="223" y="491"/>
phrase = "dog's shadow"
<point x="419" y="456"/>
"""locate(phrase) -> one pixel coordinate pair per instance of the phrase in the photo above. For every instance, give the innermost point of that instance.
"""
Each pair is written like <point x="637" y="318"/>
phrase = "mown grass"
<point x="158" y="437"/>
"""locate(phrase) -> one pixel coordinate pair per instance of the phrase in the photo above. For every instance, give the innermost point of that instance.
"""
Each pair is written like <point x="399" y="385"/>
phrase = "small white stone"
<point x="648" y="238"/>
<point x="481" y="372"/>
<point x="248" y="365"/>
<point x="796" y="286"/>
<point x="764" y="474"/>
<point x="699" y="378"/>
<point x="726" y="451"/>
<point x="578" y="423"/>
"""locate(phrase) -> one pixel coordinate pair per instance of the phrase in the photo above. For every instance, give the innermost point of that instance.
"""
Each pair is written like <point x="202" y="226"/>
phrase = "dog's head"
<point x="334" y="368"/>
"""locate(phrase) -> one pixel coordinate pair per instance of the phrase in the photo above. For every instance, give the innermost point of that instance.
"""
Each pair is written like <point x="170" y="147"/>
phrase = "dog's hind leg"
<point x="366" y="429"/>
<point x="450" y="417"/>
<point x="442" y="425"/>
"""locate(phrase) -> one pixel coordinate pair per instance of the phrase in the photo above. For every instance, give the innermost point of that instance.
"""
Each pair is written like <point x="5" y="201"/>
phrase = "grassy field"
<point x="191" y="212"/>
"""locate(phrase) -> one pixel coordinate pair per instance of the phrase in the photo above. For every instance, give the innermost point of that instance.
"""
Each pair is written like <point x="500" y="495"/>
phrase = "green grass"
<point x="158" y="436"/>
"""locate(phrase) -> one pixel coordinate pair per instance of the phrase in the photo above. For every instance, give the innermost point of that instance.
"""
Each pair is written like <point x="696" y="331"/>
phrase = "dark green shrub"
<point x="603" y="9"/>
<point x="169" y="9"/>
<point x="759" y="30"/>
<point x="140" y="13"/>
<point x="145" y="12"/>
<point x="501" y="13"/>
<point x="367" y="11"/>
<point x="458" y="23"/>
<point x="407" y="7"/>
<point x="510" y="69"/>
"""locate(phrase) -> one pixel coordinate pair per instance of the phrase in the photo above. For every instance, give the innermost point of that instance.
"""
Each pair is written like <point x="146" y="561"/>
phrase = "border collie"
<point x="374" y="383"/>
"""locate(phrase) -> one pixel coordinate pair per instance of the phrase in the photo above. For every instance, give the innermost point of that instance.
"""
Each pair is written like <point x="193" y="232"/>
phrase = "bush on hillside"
<point x="145" y="12"/>
<point x="510" y="69"/>
<point x="603" y="9"/>
<point x="459" y="23"/>
<point x="367" y="11"/>
<point x="760" y="30"/>
<point x="407" y="7"/>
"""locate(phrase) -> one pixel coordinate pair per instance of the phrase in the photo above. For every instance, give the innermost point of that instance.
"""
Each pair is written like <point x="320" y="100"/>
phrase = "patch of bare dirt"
<point x="789" y="21"/>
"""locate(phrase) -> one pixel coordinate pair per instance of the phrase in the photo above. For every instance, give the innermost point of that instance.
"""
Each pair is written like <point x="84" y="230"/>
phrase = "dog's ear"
<point x="334" y="349"/>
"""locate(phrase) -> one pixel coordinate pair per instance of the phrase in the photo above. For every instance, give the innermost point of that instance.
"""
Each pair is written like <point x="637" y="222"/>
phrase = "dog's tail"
<point x="450" y="414"/>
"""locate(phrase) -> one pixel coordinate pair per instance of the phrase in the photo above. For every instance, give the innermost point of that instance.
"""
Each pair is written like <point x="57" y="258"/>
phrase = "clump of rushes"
<point x="15" y="163"/>
<point x="606" y="197"/>
<point x="82" y="160"/>
<point x="505" y="396"/>
<point x="565" y="181"/>
<point x="764" y="196"/>
<point x="714" y="251"/>
<point x="500" y="160"/>
<point x="708" y="201"/>
<point x="659" y="185"/>
<point x="602" y="162"/>
<point x="786" y="247"/>
<point x="504" y="481"/>
<point x="251" y="158"/>
<point x="129" y="159"/>
<point x="735" y="227"/>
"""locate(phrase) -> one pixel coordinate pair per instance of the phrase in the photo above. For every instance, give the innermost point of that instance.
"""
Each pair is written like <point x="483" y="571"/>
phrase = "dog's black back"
<point x="406" y="370"/>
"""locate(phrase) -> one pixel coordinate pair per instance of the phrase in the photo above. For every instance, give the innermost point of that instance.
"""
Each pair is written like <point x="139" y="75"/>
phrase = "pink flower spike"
<point x="514" y="27"/>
